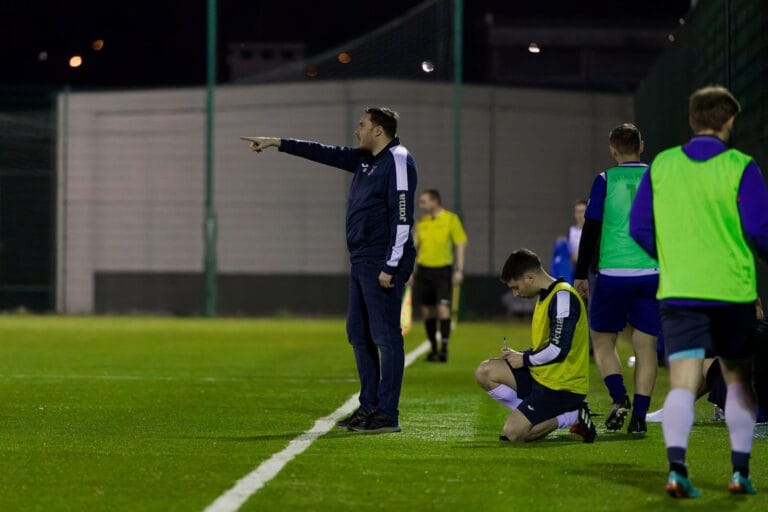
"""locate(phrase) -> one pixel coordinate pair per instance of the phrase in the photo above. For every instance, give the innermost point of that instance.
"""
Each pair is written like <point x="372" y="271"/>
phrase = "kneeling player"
<point x="544" y="386"/>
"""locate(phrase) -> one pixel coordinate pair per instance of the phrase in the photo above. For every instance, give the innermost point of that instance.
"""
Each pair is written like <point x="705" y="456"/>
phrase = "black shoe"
<point x="637" y="427"/>
<point x="584" y="426"/>
<point x="377" y="423"/>
<point x="354" y="419"/>
<point x="443" y="356"/>
<point x="433" y="357"/>
<point x="615" y="419"/>
<point x="504" y="438"/>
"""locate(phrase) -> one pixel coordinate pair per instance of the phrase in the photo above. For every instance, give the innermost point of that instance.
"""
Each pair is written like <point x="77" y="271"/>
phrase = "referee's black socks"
<point x="430" y="324"/>
<point x="445" y="332"/>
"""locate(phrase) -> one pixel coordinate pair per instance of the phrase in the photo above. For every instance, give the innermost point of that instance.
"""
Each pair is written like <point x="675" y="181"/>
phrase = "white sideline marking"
<point x="247" y="486"/>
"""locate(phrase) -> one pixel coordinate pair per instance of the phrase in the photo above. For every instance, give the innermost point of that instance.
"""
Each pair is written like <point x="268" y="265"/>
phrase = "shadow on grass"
<point x="335" y="433"/>
<point x="652" y="482"/>
<point x="629" y="475"/>
<point x="248" y="439"/>
<point x="548" y="442"/>
<point x="711" y="424"/>
<point x="552" y="442"/>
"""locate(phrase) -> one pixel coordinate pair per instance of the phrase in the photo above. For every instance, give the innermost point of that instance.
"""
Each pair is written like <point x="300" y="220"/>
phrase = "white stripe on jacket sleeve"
<point x="400" y="155"/>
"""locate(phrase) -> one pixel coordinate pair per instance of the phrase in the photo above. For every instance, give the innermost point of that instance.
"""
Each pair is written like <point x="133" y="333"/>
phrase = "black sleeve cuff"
<point x="389" y="270"/>
<point x="588" y="247"/>
<point x="527" y="359"/>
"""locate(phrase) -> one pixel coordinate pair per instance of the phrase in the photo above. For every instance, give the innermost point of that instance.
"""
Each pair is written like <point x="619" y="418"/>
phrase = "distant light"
<point x="671" y="38"/>
<point x="344" y="58"/>
<point x="42" y="56"/>
<point x="311" y="72"/>
<point x="75" y="61"/>
<point x="681" y="21"/>
<point x="534" y="48"/>
<point x="97" y="45"/>
<point x="427" y="66"/>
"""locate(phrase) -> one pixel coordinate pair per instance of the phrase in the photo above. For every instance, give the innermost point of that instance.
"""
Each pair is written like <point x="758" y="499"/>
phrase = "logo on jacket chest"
<point x="367" y="169"/>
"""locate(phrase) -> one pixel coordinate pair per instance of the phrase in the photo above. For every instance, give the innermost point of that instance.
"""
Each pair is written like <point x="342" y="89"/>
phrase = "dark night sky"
<point x="162" y="42"/>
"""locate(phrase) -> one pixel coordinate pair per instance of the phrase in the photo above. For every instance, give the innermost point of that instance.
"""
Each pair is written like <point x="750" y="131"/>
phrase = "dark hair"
<point x="384" y="117"/>
<point x="580" y="202"/>
<point x="434" y="194"/>
<point x="625" y="139"/>
<point x="710" y="107"/>
<point x="518" y="263"/>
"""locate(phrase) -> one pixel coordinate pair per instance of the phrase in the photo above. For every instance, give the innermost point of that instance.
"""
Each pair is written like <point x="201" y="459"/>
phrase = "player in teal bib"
<point x="626" y="284"/>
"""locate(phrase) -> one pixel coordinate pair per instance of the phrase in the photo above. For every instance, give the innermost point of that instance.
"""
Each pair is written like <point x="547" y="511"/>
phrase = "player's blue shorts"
<point x="541" y="403"/>
<point x="725" y="330"/>
<point x="616" y="301"/>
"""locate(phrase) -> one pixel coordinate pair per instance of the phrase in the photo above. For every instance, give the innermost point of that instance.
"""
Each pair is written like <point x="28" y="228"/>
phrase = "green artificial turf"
<point x="167" y="414"/>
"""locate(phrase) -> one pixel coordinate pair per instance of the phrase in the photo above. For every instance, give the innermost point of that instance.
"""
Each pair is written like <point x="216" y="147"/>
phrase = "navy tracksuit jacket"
<point x="379" y="239"/>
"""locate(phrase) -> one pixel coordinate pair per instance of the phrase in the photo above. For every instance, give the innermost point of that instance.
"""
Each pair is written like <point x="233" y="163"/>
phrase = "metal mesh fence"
<point x="722" y="42"/>
<point x="27" y="160"/>
<point x="415" y="46"/>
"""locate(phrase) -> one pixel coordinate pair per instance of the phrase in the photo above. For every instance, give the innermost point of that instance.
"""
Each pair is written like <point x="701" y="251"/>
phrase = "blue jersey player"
<point x="626" y="284"/>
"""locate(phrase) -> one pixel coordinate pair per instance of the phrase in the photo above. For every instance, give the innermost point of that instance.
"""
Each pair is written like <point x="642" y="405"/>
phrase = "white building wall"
<point x="131" y="174"/>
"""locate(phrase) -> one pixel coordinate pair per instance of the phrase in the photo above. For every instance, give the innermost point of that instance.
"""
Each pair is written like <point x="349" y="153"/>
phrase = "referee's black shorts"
<point x="433" y="285"/>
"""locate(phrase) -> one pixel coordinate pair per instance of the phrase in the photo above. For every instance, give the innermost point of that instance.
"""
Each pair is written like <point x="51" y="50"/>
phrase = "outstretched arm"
<point x="335" y="156"/>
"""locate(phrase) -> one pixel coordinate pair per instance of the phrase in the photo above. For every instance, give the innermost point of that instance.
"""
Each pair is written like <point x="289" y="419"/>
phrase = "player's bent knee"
<point x="517" y="427"/>
<point x="514" y="433"/>
<point x="483" y="374"/>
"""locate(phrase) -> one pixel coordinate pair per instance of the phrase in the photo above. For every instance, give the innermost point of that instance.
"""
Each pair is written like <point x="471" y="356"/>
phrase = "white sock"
<point x="655" y="416"/>
<point x="678" y="417"/>
<point x="740" y="417"/>
<point x="506" y="396"/>
<point x="567" y="419"/>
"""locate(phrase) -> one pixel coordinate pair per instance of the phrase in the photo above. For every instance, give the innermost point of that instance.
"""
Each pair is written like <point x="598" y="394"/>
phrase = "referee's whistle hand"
<point x="385" y="280"/>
